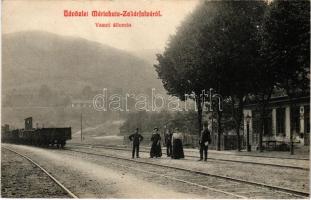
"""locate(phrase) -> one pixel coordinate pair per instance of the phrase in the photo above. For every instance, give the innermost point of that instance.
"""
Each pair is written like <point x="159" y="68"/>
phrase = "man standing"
<point x="168" y="141"/>
<point x="136" y="138"/>
<point x="204" y="141"/>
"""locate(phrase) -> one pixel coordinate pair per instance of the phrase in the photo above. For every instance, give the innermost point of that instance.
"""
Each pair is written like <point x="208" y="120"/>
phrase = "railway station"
<point x="226" y="174"/>
<point x="193" y="99"/>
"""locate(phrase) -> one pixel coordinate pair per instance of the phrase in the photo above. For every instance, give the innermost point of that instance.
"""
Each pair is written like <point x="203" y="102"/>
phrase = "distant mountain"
<point x="148" y="55"/>
<point x="67" y="64"/>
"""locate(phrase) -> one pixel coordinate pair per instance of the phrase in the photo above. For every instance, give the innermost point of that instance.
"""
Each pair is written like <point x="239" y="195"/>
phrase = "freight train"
<point x="36" y="136"/>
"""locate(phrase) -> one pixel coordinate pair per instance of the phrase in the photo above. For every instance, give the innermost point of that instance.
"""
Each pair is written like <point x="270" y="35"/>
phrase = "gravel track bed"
<point x="282" y="177"/>
<point x="22" y="179"/>
<point x="101" y="178"/>
<point x="262" y="159"/>
<point x="242" y="189"/>
<point x="146" y="172"/>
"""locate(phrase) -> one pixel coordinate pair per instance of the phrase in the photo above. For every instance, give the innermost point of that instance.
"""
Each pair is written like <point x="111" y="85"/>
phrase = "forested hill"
<point x="67" y="64"/>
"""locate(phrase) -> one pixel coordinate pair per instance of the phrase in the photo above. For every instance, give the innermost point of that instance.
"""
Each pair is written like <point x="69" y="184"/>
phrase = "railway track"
<point x="233" y="187"/>
<point x="190" y="156"/>
<point x="238" y="155"/>
<point x="72" y="195"/>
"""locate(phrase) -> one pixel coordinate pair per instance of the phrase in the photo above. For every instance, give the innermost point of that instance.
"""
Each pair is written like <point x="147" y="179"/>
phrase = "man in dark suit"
<point x="204" y="141"/>
<point x="168" y="141"/>
<point x="136" y="138"/>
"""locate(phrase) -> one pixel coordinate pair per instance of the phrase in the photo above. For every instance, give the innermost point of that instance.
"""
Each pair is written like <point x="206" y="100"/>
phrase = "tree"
<point x="214" y="48"/>
<point x="263" y="76"/>
<point x="287" y="31"/>
<point x="231" y="50"/>
<point x="179" y="66"/>
<point x="146" y="121"/>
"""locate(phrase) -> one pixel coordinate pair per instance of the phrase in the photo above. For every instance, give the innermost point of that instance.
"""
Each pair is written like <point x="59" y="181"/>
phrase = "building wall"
<point x="299" y="138"/>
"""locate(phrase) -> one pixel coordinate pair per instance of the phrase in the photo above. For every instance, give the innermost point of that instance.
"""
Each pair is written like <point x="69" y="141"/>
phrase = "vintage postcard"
<point x="155" y="99"/>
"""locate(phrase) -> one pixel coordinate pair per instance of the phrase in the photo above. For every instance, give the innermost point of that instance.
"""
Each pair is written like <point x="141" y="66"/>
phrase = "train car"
<point x="39" y="136"/>
<point x="14" y="136"/>
<point x="52" y="136"/>
<point x="26" y="136"/>
<point x="9" y="136"/>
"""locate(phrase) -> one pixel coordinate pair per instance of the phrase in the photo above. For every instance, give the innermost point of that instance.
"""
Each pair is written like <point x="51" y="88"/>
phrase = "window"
<point x="280" y="121"/>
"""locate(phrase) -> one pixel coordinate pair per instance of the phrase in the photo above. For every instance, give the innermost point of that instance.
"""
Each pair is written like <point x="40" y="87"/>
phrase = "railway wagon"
<point x="25" y="136"/>
<point x="51" y="136"/>
<point x="36" y="136"/>
<point x="10" y="136"/>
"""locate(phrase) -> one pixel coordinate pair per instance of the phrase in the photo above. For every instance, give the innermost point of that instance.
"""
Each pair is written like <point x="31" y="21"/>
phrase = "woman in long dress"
<point x="178" y="150"/>
<point x="155" y="150"/>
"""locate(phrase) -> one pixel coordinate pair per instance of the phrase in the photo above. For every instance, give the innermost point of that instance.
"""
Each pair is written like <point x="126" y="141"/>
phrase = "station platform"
<point x="299" y="153"/>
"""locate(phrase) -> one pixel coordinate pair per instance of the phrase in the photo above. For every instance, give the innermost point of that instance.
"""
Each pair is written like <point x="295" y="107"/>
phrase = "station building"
<point x="279" y="123"/>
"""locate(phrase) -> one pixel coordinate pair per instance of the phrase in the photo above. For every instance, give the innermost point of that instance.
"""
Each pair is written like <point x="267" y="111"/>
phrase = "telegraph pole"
<point x="81" y="128"/>
<point x="212" y="128"/>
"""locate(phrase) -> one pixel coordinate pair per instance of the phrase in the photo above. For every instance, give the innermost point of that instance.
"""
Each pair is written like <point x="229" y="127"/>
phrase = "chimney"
<point x="28" y="123"/>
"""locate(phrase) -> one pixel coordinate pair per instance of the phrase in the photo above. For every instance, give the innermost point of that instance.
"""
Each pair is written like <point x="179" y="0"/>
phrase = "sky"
<point x="145" y="33"/>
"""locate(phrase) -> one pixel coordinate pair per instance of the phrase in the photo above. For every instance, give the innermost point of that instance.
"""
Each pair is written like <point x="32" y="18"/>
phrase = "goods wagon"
<point x="36" y="136"/>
